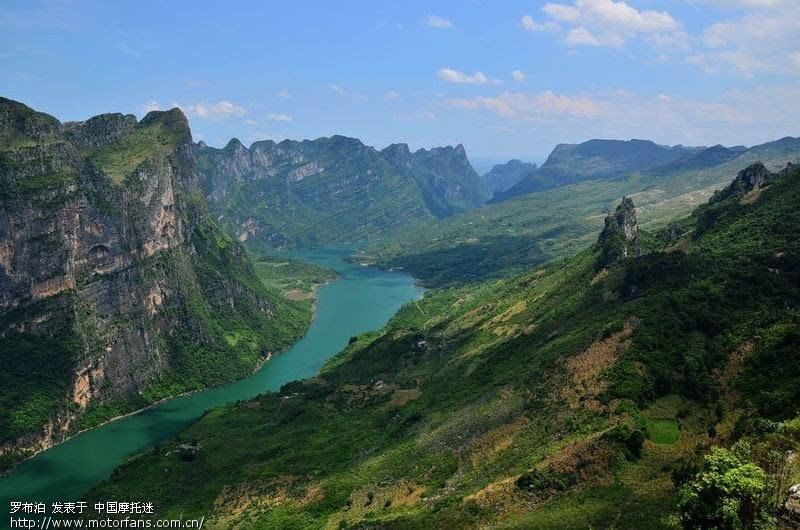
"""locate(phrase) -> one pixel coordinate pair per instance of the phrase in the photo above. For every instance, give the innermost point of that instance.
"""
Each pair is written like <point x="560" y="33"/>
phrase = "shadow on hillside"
<point x="491" y="257"/>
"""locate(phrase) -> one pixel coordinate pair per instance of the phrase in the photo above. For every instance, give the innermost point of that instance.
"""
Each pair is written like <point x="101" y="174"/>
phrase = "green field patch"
<point x="663" y="431"/>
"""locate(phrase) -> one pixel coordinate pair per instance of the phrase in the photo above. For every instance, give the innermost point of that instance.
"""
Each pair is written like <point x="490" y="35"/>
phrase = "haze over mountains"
<point x="531" y="228"/>
<point x="504" y="176"/>
<point x="609" y="159"/>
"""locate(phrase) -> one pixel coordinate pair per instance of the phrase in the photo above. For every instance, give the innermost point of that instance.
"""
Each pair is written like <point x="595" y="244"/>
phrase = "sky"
<point x="507" y="78"/>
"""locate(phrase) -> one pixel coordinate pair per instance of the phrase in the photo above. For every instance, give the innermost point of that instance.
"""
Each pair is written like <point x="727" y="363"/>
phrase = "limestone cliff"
<point x="620" y="236"/>
<point x="116" y="289"/>
<point x="331" y="190"/>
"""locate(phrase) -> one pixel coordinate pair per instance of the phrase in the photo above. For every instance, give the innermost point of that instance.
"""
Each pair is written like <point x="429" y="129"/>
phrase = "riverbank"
<point x="310" y="276"/>
<point x="360" y="300"/>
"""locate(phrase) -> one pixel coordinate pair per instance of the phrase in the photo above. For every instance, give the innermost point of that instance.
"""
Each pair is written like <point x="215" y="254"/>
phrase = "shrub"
<point x="729" y="492"/>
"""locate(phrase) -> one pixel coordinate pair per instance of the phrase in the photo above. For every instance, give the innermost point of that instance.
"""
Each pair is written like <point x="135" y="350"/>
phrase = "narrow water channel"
<point x="362" y="299"/>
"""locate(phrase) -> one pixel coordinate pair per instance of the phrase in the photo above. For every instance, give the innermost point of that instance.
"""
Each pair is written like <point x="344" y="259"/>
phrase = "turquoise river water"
<point x="362" y="299"/>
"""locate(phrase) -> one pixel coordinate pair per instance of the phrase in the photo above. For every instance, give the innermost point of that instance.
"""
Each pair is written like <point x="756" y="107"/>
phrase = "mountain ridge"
<point x="116" y="288"/>
<point x="332" y="189"/>
<point x="566" y="396"/>
<point x="595" y="158"/>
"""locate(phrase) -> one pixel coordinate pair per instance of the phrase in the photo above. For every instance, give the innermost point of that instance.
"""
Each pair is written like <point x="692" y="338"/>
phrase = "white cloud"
<point x="582" y="36"/>
<point x="150" y="106"/>
<point x="761" y="41"/>
<point x="391" y="95"/>
<point x="529" y="24"/>
<point x="454" y="76"/>
<point x="518" y="105"/>
<point x="438" y="22"/>
<point x="221" y="110"/>
<point x="518" y="75"/>
<point x="735" y="117"/>
<point x="749" y="3"/>
<point x="562" y="12"/>
<point x="284" y="94"/>
<point x="607" y="22"/>
<point x="337" y="89"/>
<point x="280" y="117"/>
<point x="759" y="37"/>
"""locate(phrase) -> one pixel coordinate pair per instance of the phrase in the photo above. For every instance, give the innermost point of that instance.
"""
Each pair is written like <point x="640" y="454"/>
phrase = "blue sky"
<point x="505" y="78"/>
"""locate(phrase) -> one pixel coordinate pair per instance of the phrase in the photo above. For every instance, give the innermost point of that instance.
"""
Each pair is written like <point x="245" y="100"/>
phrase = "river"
<point x="362" y="299"/>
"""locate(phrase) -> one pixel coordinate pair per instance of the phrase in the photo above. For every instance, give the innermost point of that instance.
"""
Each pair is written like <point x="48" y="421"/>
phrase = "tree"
<point x="729" y="492"/>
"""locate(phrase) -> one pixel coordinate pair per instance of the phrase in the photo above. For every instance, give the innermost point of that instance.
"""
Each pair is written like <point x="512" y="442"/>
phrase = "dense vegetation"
<point x="296" y="279"/>
<point x="517" y="234"/>
<point x="332" y="190"/>
<point x="117" y="289"/>
<point x="567" y="396"/>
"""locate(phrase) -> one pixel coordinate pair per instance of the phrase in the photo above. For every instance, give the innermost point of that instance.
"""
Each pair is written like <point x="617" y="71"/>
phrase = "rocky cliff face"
<point x="749" y="180"/>
<point x="620" y="236"/>
<point x="331" y="189"/>
<point x="448" y="182"/>
<point x="504" y="176"/>
<point x="115" y="287"/>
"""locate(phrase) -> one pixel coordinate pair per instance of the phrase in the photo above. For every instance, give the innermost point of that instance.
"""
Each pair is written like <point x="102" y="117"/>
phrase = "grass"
<point x="489" y="439"/>
<point x="662" y="430"/>
<point x="120" y="159"/>
<point x="291" y="276"/>
<point x="519" y="234"/>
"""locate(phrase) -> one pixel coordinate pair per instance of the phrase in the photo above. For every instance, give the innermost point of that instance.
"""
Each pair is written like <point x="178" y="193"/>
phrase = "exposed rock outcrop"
<point x="620" y="236"/>
<point x="113" y="279"/>
<point x="750" y="179"/>
<point x="274" y="192"/>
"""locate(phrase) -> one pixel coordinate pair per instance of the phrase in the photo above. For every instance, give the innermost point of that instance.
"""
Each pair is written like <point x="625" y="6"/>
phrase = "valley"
<point x="580" y="348"/>
<point x="578" y="393"/>
<point x="528" y="265"/>
<point x="357" y="301"/>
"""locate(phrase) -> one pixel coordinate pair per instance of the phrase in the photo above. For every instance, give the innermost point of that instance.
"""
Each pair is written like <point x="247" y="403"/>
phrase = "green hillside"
<point x="332" y="190"/>
<point x="117" y="289"/>
<point x="514" y="235"/>
<point x="579" y="394"/>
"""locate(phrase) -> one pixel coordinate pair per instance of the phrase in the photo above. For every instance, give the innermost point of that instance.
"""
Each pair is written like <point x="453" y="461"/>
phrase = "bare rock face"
<point x="107" y="265"/>
<point x="620" y="236"/>
<point x="751" y="179"/>
<point x="347" y="191"/>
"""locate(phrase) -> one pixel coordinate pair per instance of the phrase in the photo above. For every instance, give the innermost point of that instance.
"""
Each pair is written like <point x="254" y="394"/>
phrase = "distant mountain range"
<point x="611" y="159"/>
<point x="539" y="225"/>
<point x="570" y="163"/>
<point x="331" y="190"/>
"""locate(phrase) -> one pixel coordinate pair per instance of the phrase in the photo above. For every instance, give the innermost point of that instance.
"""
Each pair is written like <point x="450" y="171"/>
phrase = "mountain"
<point x="444" y="175"/>
<point x="332" y="190"/>
<point x="595" y="159"/>
<point x="587" y="393"/>
<point x="713" y="156"/>
<point x="116" y="287"/>
<point x="526" y="231"/>
<point x="504" y="176"/>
